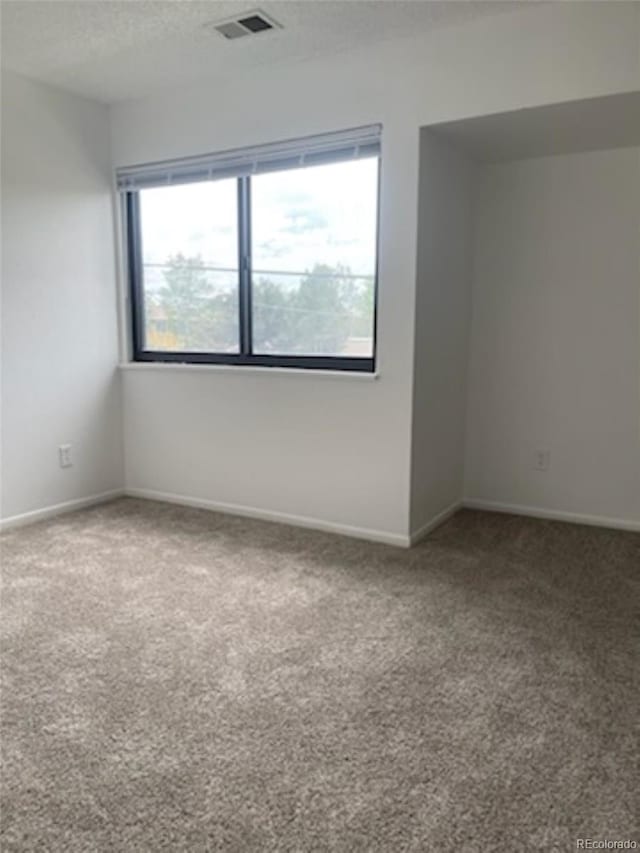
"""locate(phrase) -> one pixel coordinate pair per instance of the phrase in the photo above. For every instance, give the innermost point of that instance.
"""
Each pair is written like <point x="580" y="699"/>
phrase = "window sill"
<point x="240" y="370"/>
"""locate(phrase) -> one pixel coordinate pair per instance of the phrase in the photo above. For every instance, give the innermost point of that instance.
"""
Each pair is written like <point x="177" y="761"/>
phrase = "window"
<point x="264" y="257"/>
<point x="189" y="272"/>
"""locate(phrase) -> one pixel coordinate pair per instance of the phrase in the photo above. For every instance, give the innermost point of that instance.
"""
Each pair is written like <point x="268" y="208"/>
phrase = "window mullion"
<point x="134" y="251"/>
<point x="244" y="247"/>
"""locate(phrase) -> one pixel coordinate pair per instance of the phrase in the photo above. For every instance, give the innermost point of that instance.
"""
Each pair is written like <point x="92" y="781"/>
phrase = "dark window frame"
<point x="245" y="357"/>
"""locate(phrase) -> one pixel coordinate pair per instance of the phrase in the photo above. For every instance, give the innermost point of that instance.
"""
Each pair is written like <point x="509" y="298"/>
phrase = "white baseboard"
<point x="434" y="522"/>
<point x="58" y="509"/>
<point x="553" y="514"/>
<point x="397" y="539"/>
<point x="387" y="538"/>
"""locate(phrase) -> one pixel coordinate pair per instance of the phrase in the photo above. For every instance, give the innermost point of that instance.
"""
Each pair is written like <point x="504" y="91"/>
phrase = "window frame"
<point x="245" y="357"/>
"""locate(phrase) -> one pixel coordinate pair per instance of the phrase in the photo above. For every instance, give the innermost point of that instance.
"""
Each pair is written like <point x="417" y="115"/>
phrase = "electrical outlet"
<point x="541" y="460"/>
<point x="64" y="456"/>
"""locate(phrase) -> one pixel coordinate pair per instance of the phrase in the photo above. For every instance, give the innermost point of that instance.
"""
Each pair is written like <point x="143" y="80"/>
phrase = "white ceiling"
<point x="118" y="49"/>
<point x="611" y="121"/>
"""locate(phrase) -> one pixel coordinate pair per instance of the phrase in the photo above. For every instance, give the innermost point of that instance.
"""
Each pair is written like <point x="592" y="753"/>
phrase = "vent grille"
<point x="249" y="24"/>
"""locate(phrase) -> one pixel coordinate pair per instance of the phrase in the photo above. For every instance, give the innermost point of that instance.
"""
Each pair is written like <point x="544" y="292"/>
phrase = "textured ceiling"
<point x="119" y="49"/>
<point x="592" y="124"/>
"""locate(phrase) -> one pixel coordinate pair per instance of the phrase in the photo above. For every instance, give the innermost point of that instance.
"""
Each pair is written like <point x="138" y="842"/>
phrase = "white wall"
<point x="59" y="331"/>
<point x="555" y="344"/>
<point x="334" y="449"/>
<point x="442" y="328"/>
<point x="338" y="450"/>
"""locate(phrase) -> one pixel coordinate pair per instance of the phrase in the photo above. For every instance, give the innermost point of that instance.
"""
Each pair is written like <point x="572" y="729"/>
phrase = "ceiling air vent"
<point x="248" y="24"/>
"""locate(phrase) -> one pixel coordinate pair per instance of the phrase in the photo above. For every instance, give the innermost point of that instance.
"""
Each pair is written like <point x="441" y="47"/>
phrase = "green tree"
<point x="316" y="317"/>
<point x="272" y="322"/>
<point x="199" y="315"/>
<point x="323" y="310"/>
<point x="181" y="298"/>
<point x="363" y="308"/>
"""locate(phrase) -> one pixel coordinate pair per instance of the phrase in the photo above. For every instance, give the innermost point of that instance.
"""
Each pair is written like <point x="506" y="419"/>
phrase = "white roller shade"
<point x="310" y="151"/>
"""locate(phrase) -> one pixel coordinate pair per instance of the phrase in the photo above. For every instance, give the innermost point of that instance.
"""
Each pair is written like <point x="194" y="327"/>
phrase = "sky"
<point x="322" y="214"/>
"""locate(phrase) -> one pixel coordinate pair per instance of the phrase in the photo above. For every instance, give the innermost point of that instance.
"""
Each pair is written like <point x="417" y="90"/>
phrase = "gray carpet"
<point x="175" y="679"/>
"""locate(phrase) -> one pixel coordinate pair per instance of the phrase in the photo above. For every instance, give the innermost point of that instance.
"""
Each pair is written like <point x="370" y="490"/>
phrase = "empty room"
<point x="320" y="426"/>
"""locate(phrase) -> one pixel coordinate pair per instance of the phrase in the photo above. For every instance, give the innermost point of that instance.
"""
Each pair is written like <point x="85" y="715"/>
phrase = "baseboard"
<point x="383" y="536"/>
<point x="434" y="522"/>
<point x="58" y="509"/>
<point x="553" y="514"/>
<point x="370" y="534"/>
